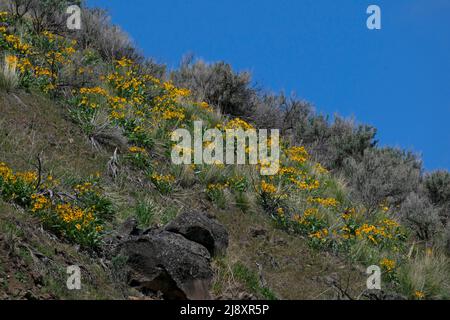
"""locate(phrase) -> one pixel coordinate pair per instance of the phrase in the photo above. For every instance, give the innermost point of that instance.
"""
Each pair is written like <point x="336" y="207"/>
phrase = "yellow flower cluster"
<point x="326" y="202"/>
<point x="297" y="218"/>
<point x="205" y="106"/>
<point x="238" y="123"/>
<point x="348" y="214"/>
<point x="384" y="206"/>
<point x="386" y="230"/>
<point x="24" y="65"/>
<point x="90" y="96"/>
<point x="125" y="82"/>
<point x="67" y="218"/>
<point x="55" y="57"/>
<point x="290" y="171"/>
<point x="131" y="89"/>
<point x="346" y="232"/>
<point x="43" y="72"/>
<point x="280" y="212"/>
<point x="308" y="213"/>
<point x="135" y="149"/>
<point x="124" y="62"/>
<point x="305" y="185"/>
<point x="11" y="61"/>
<point x="94" y="90"/>
<point x="166" y="104"/>
<point x="419" y="294"/>
<point x="162" y="178"/>
<point x="371" y="232"/>
<point x="215" y="192"/>
<point x="300" y="177"/>
<point x="46" y="61"/>
<point x="3" y="18"/>
<point x="216" y="186"/>
<point x="17" y="44"/>
<point x="8" y="175"/>
<point x="297" y="154"/>
<point x="118" y="105"/>
<point x="268" y="188"/>
<point x="68" y="51"/>
<point x="390" y="223"/>
<point x="73" y="214"/>
<point x="387" y="264"/>
<point x="162" y="182"/>
<point x="51" y="37"/>
<point x="84" y="188"/>
<point x="27" y="177"/>
<point x="39" y="202"/>
<point x="377" y="233"/>
<point x="171" y="113"/>
<point x="117" y="115"/>
<point x="180" y="92"/>
<point x="321" y="234"/>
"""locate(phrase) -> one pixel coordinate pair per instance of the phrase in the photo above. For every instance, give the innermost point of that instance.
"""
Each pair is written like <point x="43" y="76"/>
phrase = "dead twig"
<point x="39" y="169"/>
<point x="113" y="165"/>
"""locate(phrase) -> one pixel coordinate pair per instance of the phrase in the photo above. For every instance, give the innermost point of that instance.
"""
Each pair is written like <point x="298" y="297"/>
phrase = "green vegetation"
<point x="102" y="122"/>
<point x="250" y="279"/>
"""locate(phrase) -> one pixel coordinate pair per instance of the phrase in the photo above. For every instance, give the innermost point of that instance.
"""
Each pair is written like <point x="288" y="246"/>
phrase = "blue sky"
<point x="396" y="79"/>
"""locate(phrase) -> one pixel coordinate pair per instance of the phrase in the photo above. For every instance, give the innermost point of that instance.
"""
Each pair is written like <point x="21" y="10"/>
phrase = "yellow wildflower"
<point x="238" y="123"/>
<point x="419" y="294"/>
<point x="387" y="264"/>
<point x="280" y="212"/>
<point x="326" y="202"/>
<point x="11" y="61"/>
<point x="268" y="187"/>
<point x="135" y="149"/>
<point x="297" y="154"/>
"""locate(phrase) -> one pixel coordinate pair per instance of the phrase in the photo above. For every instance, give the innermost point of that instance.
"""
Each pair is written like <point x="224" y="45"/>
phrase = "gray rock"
<point x="198" y="227"/>
<point x="129" y="228"/>
<point x="166" y="262"/>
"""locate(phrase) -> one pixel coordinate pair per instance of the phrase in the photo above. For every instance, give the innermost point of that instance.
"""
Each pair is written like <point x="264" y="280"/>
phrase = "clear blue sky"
<point x="396" y="79"/>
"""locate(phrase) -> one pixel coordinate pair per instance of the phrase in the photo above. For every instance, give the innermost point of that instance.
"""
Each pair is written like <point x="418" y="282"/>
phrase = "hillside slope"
<point x="86" y="176"/>
<point x="34" y="261"/>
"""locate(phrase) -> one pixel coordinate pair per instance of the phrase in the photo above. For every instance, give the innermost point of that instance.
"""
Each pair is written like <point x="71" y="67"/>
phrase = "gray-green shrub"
<point x="437" y="186"/>
<point x="421" y="216"/>
<point x="383" y="174"/>
<point x="218" y="85"/>
<point x="98" y="32"/>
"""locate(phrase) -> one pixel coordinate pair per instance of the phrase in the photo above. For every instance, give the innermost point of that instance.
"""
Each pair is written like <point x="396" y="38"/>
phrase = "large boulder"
<point x="168" y="263"/>
<point x="198" y="227"/>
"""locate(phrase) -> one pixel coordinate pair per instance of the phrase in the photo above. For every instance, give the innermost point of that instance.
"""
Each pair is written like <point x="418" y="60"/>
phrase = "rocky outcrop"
<point x="166" y="262"/>
<point x="174" y="261"/>
<point x="198" y="227"/>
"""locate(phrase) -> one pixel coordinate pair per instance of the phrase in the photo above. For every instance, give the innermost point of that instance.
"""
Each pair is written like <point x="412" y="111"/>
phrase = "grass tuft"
<point x="9" y="77"/>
